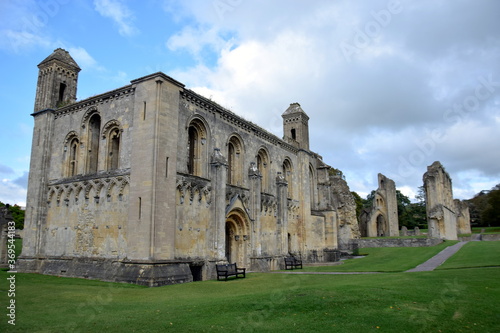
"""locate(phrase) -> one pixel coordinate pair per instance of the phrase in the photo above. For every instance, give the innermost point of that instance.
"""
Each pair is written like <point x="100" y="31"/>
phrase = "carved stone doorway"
<point x="237" y="238"/>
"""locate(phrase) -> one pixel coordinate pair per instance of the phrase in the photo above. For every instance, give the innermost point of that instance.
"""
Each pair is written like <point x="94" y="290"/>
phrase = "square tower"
<point x="57" y="81"/>
<point x="296" y="126"/>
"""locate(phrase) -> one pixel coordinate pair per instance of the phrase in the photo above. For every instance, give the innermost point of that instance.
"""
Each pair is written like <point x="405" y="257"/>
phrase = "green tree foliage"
<point x="368" y="202"/>
<point x="491" y="215"/>
<point x="484" y="208"/>
<point x="17" y="215"/>
<point x="336" y="172"/>
<point x="359" y="203"/>
<point x="412" y="214"/>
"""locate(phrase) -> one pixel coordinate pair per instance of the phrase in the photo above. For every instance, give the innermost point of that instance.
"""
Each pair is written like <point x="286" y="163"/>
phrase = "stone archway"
<point x="237" y="238"/>
<point x="381" y="226"/>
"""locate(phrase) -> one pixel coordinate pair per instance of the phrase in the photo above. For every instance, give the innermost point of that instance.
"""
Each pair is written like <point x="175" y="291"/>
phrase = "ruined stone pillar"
<point x="219" y="178"/>
<point x="282" y="218"/>
<point x="441" y="215"/>
<point x="463" y="217"/>
<point x="254" y="206"/>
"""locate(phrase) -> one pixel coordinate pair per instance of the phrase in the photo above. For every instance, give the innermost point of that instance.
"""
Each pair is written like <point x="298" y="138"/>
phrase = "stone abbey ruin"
<point x="153" y="184"/>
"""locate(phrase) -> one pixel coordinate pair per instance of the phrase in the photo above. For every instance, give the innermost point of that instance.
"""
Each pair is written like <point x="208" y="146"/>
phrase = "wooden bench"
<point x="292" y="262"/>
<point x="227" y="270"/>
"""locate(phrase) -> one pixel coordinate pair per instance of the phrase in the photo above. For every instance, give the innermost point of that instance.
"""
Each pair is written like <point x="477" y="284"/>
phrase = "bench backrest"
<point x="230" y="268"/>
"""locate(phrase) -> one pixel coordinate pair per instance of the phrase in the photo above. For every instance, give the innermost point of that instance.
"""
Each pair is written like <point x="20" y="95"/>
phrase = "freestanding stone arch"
<point x="382" y="219"/>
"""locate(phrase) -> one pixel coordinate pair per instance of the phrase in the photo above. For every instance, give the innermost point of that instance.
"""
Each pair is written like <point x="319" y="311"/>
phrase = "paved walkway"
<point x="429" y="265"/>
<point x="438" y="259"/>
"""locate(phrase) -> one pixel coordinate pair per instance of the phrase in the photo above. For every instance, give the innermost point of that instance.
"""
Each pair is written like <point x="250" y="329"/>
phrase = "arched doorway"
<point x="381" y="232"/>
<point x="237" y="238"/>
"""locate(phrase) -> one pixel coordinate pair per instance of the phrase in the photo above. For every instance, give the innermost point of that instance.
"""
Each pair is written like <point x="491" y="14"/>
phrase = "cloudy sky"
<point x="390" y="86"/>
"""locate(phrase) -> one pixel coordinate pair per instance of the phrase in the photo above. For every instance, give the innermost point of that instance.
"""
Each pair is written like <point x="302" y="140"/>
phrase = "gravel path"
<point x="438" y="259"/>
<point x="429" y="265"/>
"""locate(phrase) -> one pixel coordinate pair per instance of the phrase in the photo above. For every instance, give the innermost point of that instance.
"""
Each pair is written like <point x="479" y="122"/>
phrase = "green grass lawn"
<point x="453" y="300"/>
<point x="475" y="254"/>
<point x="386" y="259"/>
<point x="487" y="230"/>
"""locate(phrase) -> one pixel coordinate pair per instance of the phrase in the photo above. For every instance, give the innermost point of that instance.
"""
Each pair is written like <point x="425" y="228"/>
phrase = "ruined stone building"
<point x="446" y="218"/>
<point x="382" y="219"/>
<point x="153" y="184"/>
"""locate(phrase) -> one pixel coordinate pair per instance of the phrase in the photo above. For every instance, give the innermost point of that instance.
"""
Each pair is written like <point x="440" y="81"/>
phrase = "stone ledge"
<point x="152" y="274"/>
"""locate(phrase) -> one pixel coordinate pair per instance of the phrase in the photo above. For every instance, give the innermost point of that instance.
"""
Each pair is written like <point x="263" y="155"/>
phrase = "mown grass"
<point x="385" y="259"/>
<point x="444" y="300"/>
<point x="487" y="230"/>
<point x="475" y="254"/>
<point x="453" y="300"/>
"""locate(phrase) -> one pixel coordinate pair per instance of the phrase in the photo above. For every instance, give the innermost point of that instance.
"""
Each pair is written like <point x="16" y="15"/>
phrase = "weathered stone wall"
<point x="153" y="173"/>
<point x="345" y="207"/>
<point x="382" y="219"/>
<point x="442" y="211"/>
<point x="87" y="219"/>
<point x="395" y="242"/>
<point x="463" y="217"/>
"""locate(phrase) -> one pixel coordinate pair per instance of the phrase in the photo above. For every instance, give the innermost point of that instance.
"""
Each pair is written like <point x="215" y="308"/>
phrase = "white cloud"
<point x="384" y="108"/>
<point x="12" y="193"/>
<point x="119" y="13"/>
<point x="84" y="59"/>
<point x="16" y="41"/>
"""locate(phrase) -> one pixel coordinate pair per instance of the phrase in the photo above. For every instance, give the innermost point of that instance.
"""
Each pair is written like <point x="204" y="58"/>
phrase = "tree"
<point x="336" y="172"/>
<point x="410" y="214"/>
<point x="490" y="216"/>
<point x="17" y="214"/>
<point x="359" y="203"/>
<point x="368" y="202"/>
<point x="484" y="208"/>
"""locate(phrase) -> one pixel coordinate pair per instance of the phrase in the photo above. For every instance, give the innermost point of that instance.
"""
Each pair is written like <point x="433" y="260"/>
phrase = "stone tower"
<point x="57" y="81"/>
<point x="382" y="219"/>
<point x="296" y="126"/>
<point x="441" y="210"/>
